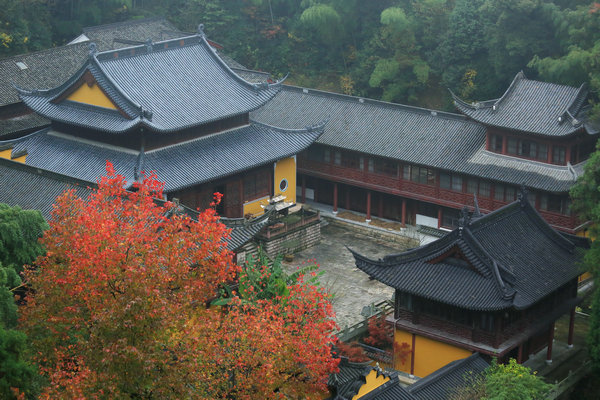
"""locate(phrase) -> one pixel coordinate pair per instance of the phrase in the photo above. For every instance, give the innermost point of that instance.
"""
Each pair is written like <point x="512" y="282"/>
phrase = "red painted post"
<point x="571" y="328"/>
<point x="335" y="198"/>
<point x="439" y="217"/>
<point x="520" y="355"/>
<point x="368" y="206"/>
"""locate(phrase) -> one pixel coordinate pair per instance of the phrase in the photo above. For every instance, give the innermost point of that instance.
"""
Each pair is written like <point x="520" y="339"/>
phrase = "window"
<point x="419" y="174"/>
<point x="512" y="146"/>
<point x="481" y="188"/>
<point x="554" y="203"/>
<point x="318" y="154"/>
<point x="496" y="143"/>
<point x="383" y="167"/>
<point x="256" y="185"/>
<point x="558" y="155"/>
<point x="451" y="181"/>
<point x="337" y="158"/>
<point x="527" y="148"/>
<point x="472" y="186"/>
<point x="499" y="192"/>
<point x="484" y="189"/>
<point x="351" y="160"/>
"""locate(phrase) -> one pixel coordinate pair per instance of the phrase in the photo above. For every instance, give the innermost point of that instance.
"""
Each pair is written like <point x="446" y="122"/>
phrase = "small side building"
<point x="495" y="285"/>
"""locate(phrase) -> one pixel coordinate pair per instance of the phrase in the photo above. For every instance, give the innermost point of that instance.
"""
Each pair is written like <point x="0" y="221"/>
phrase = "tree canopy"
<point x="118" y="308"/>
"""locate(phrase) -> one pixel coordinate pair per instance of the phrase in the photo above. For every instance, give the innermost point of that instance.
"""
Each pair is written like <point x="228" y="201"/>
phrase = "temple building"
<point x="420" y="166"/>
<point x="173" y="107"/>
<point x="495" y="286"/>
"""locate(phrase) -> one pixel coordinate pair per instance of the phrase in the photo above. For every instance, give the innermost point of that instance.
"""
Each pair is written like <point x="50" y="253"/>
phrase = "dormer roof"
<point x="531" y="106"/>
<point x="509" y="258"/>
<point x="165" y="87"/>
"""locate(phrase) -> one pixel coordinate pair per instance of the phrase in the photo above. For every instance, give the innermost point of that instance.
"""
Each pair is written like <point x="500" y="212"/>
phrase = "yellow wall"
<point x="430" y="355"/>
<point x="285" y="169"/>
<point x="372" y="382"/>
<point x="7" y="154"/>
<point x="254" y="207"/>
<point x="91" y="95"/>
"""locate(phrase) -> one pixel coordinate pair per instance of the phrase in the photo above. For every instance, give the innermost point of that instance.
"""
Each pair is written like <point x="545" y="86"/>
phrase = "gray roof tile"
<point x="531" y="106"/>
<point x="190" y="163"/>
<point x="442" y="383"/>
<point x="178" y="84"/>
<point x="515" y="259"/>
<point x="408" y="134"/>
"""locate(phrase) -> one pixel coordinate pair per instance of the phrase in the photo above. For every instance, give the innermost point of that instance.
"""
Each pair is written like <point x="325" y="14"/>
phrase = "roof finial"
<point x="93" y="49"/>
<point x="201" y="30"/>
<point x="464" y="218"/>
<point x="522" y="195"/>
<point x="476" y="212"/>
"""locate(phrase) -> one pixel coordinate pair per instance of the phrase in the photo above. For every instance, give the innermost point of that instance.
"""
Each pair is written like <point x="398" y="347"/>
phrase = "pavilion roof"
<point x="165" y="87"/>
<point x="530" y="106"/>
<point x="413" y="135"/>
<point x="181" y="165"/>
<point x="509" y="258"/>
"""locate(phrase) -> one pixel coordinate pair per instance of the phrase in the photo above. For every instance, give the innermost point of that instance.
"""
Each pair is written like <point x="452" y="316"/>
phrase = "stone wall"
<point x="300" y="238"/>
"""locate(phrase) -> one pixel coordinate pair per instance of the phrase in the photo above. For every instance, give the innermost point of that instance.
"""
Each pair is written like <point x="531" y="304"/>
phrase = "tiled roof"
<point x="35" y="189"/>
<point x="22" y="123"/>
<point x="408" y="134"/>
<point x="165" y="86"/>
<point x="126" y="33"/>
<point x="514" y="259"/>
<point x="531" y="106"/>
<point x="442" y="383"/>
<point x="352" y="376"/>
<point x="180" y="166"/>
<point x="44" y="70"/>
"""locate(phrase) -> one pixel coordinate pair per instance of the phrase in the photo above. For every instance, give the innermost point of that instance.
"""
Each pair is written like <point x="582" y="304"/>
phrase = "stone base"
<point x="306" y="236"/>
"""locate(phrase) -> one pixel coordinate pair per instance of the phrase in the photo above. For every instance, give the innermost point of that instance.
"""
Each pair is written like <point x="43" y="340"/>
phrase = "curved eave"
<point x="310" y="137"/>
<point x="500" y="304"/>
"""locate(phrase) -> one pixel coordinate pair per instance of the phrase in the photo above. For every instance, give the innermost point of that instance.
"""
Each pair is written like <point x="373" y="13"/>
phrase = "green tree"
<point x="511" y="381"/>
<point x="586" y="203"/>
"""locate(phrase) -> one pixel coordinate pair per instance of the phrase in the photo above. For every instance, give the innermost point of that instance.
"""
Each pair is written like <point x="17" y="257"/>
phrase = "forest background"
<point x="405" y="51"/>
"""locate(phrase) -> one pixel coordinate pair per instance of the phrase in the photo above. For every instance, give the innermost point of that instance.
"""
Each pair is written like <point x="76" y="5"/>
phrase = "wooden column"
<point x="403" y="213"/>
<point x="550" y="150"/>
<point x="520" y="355"/>
<point x="368" y="206"/>
<point x="439" y="217"/>
<point x="550" y="340"/>
<point x="504" y="144"/>
<point x="303" y="196"/>
<point x="335" y="198"/>
<point x="571" y="328"/>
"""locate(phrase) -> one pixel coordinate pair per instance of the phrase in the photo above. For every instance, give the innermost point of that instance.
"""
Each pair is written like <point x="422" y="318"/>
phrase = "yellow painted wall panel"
<point x="431" y="355"/>
<point x="400" y="337"/>
<point x="20" y="159"/>
<point x="5" y="153"/>
<point x="372" y="382"/>
<point x="91" y="95"/>
<point x="285" y="176"/>
<point x="254" y="207"/>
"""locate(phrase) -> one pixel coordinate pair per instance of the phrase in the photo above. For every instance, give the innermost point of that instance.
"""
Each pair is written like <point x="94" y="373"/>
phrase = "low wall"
<point x="301" y="238"/>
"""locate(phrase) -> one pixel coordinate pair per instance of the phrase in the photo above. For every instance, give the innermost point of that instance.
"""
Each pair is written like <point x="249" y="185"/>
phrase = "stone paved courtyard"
<point x="351" y="288"/>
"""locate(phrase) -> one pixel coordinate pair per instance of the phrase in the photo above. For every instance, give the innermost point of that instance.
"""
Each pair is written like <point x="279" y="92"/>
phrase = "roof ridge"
<point x="48" y="50"/>
<point x="128" y="22"/>
<point x="444" y="371"/>
<point x="364" y="100"/>
<point x="320" y="126"/>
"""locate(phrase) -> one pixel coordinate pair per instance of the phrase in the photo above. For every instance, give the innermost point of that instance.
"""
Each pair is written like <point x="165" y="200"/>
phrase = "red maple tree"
<point x="118" y="308"/>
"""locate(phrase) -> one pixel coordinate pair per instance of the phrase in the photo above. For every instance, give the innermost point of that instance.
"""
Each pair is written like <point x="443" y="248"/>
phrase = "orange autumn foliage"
<point x="117" y="308"/>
